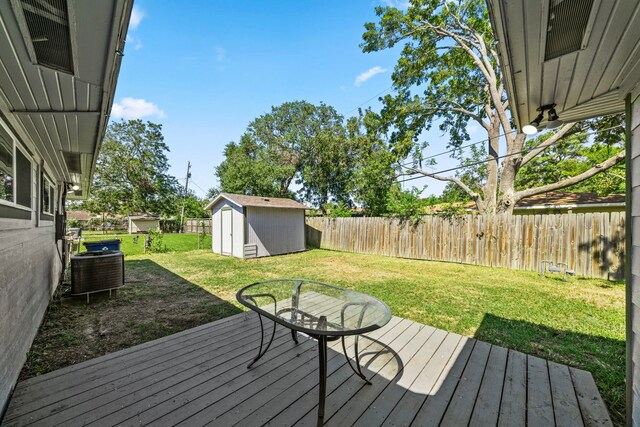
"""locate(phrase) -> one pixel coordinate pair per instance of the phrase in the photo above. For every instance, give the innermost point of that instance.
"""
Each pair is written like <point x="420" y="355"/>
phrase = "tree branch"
<point x="474" y="196"/>
<point x="459" y="108"/>
<point x="546" y="144"/>
<point x="612" y="161"/>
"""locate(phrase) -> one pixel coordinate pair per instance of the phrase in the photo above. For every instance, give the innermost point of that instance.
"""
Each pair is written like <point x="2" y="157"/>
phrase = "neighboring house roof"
<point x="79" y="215"/>
<point x="554" y="199"/>
<point x="557" y="198"/>
<point x="257" y="201"/>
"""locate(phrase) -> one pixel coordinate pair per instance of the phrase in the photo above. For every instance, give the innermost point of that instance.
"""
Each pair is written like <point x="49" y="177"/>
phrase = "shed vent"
<point x="72" y="161"/>
<point x="566" y="27"/>
<point x="48" y="25"/>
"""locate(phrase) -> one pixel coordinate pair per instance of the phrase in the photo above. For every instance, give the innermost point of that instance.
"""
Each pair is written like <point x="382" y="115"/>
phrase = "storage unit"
<point x="142" y="223"/>
<point x="252" y="226"/>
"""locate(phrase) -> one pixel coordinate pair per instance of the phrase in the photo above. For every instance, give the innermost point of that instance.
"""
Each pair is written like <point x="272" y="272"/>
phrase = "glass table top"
<point x="315" y="308"/>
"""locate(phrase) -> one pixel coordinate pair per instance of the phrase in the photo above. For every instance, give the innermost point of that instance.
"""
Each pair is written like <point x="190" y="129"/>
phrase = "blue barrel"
<point x="103" y="245"/>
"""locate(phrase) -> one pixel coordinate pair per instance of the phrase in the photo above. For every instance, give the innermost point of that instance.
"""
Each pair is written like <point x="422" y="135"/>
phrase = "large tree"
<point x="297" y="142"/>
<point x="448" y="73"/>
<point x="132" y="171"/>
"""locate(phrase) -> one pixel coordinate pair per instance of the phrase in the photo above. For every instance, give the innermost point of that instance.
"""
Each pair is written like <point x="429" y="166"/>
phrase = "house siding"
<point x="29" y="272"/>
<point x="275" y="231"/>
<point x="633" y="261"/>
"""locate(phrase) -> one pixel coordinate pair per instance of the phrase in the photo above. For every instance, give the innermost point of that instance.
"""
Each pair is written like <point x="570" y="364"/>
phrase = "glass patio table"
<point x="321" y="311"/>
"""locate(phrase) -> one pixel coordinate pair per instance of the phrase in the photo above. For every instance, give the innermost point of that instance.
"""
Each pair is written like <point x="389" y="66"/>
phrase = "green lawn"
<point x="579" y="323"/>
<point x="134" y="244"/>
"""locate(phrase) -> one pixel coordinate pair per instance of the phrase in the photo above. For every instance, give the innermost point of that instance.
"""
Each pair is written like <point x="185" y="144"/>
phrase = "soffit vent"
<point x="566" y="26"/>
<point x="47" y="22"/>
<point x="72" y="161"/>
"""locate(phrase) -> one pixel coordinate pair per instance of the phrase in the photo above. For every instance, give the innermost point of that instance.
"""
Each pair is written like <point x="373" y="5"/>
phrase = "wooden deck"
<point x="420" y="376"/>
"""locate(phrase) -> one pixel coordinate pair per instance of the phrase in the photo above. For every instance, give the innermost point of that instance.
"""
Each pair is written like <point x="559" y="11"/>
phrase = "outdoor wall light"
<point x="532" y="128"/>
<point x="553" y="120"/>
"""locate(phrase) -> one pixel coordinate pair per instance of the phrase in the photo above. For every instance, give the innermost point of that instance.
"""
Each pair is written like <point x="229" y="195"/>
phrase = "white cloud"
<point x="136" y="17"/>
<point x="133" y="108"/>
<point x="221" y="53"/>
<point x="398" y="4"/>
<point x="135" y="42"/>
<point x="363" y="77"/>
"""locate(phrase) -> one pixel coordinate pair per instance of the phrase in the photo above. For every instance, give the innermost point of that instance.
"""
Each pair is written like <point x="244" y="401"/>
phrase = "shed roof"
<point x="257" y="201"/>
<point x="144" y="217"/>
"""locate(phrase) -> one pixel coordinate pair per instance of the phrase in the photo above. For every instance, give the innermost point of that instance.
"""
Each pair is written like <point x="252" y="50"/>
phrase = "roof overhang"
<point x="588" y="82"/>
<point x="62" y="115"/>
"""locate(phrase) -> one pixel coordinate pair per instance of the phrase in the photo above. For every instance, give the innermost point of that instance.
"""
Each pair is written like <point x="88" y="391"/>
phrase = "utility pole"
<point x="186" y="188"/>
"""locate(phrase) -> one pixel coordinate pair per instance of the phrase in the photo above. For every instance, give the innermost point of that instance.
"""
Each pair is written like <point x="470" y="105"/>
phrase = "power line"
<point x="193" y="182"/>
<point x="368" y="100"/>
<point x="490" y="160"/>
<point x="459" y="148"/>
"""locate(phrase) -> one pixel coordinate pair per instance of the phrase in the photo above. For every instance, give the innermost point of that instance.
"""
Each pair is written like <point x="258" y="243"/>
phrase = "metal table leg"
<point x="322" y="383"/>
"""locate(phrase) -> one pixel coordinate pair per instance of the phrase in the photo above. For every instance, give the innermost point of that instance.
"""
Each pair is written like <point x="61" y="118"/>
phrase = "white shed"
<point x="252" y="226"/>
<point x="142" y="223"/>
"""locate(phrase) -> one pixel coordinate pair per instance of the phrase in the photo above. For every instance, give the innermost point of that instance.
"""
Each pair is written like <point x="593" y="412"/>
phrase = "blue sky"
<point x="205" y="69"/>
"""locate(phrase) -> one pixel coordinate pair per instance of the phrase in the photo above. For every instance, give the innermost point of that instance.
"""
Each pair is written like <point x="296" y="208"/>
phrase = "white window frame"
<point x="16" y="146"/>
<point x="52" y="195"/>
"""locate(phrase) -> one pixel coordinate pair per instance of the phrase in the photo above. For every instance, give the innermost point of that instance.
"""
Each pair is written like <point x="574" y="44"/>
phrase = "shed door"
<point x="226" y="231"/>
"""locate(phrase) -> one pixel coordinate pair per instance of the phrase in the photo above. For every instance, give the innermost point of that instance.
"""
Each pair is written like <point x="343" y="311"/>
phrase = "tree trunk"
<point x="491" y="187"/>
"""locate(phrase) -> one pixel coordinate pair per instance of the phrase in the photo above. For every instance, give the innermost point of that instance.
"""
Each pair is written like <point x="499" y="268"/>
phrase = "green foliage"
<point x="132" y="171"/>
<point x="445" y="80"/>
<point x="193" y="207"/>
<point x="406" y="204"/>
<point x="575" y="154"/>
<point x="453" y="211"/>
<point x="296" y="142"/>
<point x="375" y="171"/>
<point x="248" y="170"/>
<point x="337" y="210"/>
<point x="73" y="222"/>
<point x="156" y="236"/>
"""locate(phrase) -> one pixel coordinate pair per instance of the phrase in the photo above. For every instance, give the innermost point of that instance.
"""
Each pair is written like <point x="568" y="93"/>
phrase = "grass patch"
<point x="134" y="244"/>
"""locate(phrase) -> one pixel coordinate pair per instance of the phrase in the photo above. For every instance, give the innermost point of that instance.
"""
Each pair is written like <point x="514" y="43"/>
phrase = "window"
<point x="15" y="173"/>
<point x="6" y="167"/>
<point x="48" y="196"/>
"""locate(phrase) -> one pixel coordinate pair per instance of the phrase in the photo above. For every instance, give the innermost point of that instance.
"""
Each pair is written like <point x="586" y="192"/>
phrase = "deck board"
<point x="420" y="376"/>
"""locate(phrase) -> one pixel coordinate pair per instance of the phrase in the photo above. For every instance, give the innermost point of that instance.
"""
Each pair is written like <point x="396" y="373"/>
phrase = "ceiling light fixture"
<point x="75" y="187"/>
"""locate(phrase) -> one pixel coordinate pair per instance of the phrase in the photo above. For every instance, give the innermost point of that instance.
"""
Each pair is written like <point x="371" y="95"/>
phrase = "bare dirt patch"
<point x="154" y="302"/>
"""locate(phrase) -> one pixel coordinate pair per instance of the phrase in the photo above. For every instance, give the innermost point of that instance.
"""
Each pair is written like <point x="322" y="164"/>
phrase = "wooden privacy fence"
<point x="591" y="243"/>
<point x="194" y="225"/>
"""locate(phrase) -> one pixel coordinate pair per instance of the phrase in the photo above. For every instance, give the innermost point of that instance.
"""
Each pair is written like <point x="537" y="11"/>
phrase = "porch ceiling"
<point x="592" y="81"/>
<point x="53" y="111"/>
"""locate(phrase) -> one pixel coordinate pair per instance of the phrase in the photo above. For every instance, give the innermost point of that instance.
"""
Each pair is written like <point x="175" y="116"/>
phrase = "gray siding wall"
<point x="633" y="257"/>
<point x="29" y="272"/>
<point x="275" y="231"/>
